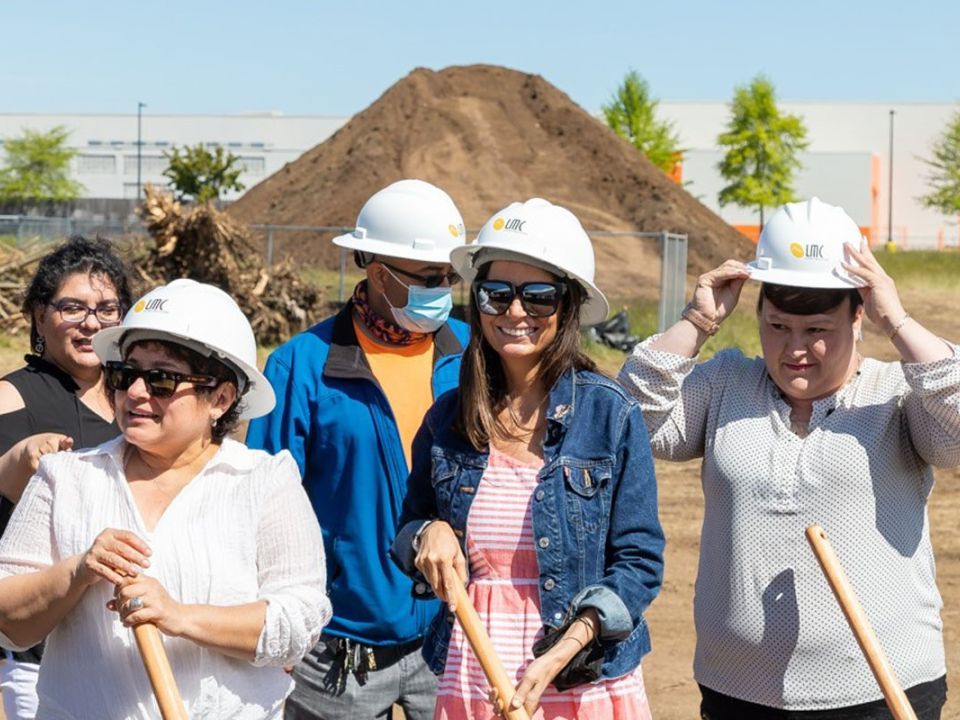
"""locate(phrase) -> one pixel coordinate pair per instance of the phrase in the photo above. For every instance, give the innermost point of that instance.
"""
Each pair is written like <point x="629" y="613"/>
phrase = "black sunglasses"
<point x="160" y="383"/>
<point x="429" y="281"/>
<point x="539" y="299"/>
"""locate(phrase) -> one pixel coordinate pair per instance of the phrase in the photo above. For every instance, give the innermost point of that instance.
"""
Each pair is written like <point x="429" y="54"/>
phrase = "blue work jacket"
<point x="595" y="520"/>
<point x="334" y="418"/>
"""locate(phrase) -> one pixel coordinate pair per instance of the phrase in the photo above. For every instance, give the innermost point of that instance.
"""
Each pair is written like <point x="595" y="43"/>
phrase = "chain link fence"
<point x="22" y="230"/>
<point x="280" y="242"/>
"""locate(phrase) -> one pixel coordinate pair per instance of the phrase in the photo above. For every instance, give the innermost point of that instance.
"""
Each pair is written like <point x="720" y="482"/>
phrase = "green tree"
<point x="762" y="145"/>
<point x="632" y="114"/>
<point x="201" y="175"/>
<point x="944" y="180"/>
<point x="37" y="167"/>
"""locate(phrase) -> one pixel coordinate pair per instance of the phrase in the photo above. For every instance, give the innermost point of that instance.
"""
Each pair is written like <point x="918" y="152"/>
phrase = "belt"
<point x="355" y="657"/>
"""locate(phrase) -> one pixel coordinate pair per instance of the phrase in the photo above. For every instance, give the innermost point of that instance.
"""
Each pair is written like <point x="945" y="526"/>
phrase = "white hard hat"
<point x="409" y="219"/>
<point x="803" y="246"/>
<point x="203" y="318"/>
<point x="544" y="235"/>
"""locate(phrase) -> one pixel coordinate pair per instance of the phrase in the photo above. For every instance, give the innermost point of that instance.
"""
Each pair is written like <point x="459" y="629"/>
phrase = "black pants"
<point x="926" y="698"/>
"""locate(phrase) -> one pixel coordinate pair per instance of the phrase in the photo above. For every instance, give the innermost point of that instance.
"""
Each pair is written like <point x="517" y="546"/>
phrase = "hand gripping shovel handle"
<point x="158" y="670"/>
<point x="483" y="649"/>
<point x="892" y="692"/>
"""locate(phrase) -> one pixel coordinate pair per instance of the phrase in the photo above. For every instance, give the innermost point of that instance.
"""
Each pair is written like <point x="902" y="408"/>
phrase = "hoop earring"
<point x="40" y="345"/>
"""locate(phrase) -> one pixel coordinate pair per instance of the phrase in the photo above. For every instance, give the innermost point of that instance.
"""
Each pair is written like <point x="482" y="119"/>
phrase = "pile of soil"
<point x="490" y="136"/>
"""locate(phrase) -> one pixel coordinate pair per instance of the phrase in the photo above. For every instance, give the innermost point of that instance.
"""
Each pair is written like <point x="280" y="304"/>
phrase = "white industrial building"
<point x="107" y="159"/>
<point x="847" y="162"/>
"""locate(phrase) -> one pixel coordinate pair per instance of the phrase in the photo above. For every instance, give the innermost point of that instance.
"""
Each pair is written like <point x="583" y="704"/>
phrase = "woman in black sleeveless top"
<point x="58" y="400"/>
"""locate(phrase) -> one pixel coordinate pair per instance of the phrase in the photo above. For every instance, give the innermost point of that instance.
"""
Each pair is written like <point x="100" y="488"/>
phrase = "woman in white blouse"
<point x="172" y="523"/>
<point x="810" y="433"/>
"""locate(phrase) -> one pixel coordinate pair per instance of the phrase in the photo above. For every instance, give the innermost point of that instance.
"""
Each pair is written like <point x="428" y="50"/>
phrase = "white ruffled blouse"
<point x="242" y="530"/>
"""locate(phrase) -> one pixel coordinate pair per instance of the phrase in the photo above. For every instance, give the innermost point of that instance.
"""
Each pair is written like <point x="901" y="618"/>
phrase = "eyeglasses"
<point x="429" y="281"/>
<point x="159" y="383"/>
<point x="74" y="312"/>
<point x="539" y="299"/>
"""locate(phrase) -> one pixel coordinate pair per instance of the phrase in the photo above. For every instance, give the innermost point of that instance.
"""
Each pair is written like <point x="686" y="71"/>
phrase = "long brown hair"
<point x="483" y="383"/>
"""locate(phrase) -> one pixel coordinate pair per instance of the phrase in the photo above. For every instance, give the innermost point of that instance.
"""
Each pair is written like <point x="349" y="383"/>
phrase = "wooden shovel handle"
<point x="158" y="670"/>
<point x="892" y="692"/>
<point x="485" y="652"/>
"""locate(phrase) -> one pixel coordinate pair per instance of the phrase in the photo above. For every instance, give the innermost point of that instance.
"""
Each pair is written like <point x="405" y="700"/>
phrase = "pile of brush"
<point x="202" y="243"/>
<point x="197" y="242"/>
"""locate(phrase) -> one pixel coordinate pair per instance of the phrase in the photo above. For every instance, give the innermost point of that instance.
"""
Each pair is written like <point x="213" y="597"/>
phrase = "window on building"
<point x="131" y="191"/>
<point x="150" y="165"/>
<point x="96" y="164"/>
<point x="254" y="165"/>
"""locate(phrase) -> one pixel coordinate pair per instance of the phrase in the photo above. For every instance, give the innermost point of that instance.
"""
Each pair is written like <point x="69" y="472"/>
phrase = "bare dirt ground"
<point x="668" y="669"/>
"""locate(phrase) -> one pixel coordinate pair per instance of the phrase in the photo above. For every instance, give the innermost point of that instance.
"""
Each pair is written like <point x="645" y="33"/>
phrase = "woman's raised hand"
<point x="881" y="302"/>
<point x="718" y="290"/>
<point x="441" y="560"/>
<point x="143" y="599"/>
<point x="114" y="555"/>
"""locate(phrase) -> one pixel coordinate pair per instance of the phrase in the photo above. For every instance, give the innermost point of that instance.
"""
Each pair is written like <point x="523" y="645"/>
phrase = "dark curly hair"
<point x="76" y="255"/>
<point x="202" y="365"/>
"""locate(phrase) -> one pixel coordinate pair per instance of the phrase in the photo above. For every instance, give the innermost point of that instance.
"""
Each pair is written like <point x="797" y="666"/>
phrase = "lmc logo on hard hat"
<point x="809" y="251"/>
<point x="154" y="304"/>
<point x="515" y="224"/>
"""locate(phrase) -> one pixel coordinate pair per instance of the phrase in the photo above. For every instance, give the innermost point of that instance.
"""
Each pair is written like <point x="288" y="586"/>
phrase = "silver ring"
<point x="134" y="604"/>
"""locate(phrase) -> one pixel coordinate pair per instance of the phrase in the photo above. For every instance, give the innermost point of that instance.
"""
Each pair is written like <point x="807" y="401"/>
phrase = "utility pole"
<point x="890" y="188"/>
<point x="140" y="107"/>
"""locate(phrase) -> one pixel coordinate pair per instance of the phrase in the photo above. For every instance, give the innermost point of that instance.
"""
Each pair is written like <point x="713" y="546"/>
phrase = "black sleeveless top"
<point x="51" y="405"/>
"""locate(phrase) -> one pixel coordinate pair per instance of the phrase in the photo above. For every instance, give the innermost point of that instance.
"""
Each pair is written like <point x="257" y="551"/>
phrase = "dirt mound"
<point x="489" y="136"/>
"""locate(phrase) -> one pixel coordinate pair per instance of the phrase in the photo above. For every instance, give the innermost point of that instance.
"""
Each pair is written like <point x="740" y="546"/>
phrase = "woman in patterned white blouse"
<point x="172" y="523"/>
<point x="810" y="433"/>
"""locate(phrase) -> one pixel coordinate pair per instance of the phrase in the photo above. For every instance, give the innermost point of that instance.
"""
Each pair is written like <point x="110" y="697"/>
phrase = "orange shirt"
<point x="404" y="372"/>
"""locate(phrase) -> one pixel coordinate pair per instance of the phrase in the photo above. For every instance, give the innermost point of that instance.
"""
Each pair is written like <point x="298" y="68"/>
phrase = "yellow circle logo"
<point x="139" y="306"/>
<point x="453" y="230"/>
<point x="796" y="249"/>
<point x="498" y="224"/>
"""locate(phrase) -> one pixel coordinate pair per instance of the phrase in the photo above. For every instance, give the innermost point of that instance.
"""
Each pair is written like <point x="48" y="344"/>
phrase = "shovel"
<point x="892" y="692"/>
<point x="485" y="652"/>
<point x="159" y="672"/>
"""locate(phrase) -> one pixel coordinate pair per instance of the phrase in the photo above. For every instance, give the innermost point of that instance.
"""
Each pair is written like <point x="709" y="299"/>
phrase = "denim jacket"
<point x="598" y="537"/>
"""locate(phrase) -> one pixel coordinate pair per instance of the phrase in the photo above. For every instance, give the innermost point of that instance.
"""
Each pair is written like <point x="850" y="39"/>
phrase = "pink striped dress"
<point x="503" y="587"/>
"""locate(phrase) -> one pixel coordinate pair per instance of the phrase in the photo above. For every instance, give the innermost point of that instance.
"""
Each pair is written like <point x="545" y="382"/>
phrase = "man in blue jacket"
<point x="351" y="394"/>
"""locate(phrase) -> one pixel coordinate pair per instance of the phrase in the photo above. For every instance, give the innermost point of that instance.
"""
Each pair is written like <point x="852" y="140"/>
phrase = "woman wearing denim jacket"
<point x="537" y="474"/>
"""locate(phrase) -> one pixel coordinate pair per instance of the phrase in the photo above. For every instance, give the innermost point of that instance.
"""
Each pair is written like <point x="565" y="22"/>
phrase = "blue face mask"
<point x="427" y="309"/>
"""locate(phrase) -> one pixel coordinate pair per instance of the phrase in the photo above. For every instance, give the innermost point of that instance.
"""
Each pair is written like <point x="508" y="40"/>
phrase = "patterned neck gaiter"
<point x="384" y="330"/>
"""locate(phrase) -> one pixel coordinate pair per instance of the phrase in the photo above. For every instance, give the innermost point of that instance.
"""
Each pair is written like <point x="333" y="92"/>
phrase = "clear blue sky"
<point x="334" y="58"/>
